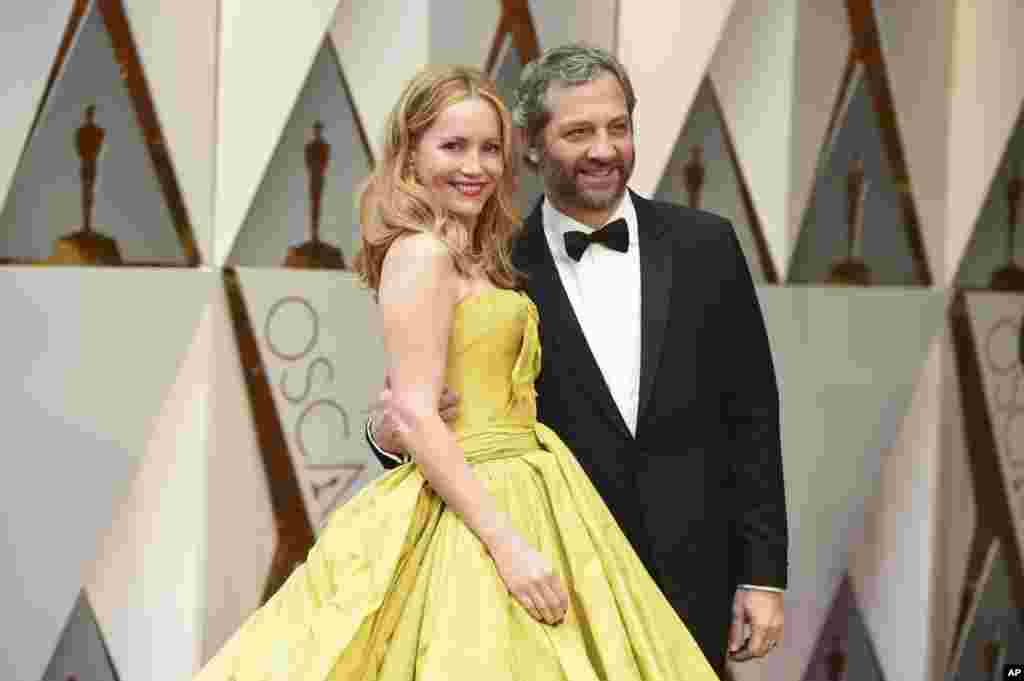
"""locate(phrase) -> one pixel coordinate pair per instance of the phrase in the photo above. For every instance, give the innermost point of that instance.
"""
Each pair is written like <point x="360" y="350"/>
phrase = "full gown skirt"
<point x="398" y="588"/>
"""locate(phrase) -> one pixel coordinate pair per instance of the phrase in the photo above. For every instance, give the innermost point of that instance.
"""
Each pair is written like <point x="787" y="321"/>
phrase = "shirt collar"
<point x="556" y="223"/>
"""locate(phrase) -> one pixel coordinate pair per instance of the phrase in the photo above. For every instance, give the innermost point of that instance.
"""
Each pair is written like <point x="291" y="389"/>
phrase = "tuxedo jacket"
<point x="699" y="490"/>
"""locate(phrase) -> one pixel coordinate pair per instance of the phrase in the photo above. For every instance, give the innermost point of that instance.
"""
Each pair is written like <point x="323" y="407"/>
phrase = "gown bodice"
<point x="493" y="360"/>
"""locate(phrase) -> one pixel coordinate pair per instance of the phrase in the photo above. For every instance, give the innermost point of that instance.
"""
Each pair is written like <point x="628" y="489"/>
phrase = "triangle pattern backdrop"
<point x="994" y="631"/>
<point x="844" y="649"/>
<point x="883" y="243"/>
<point x="989" y="249"/>
<point x="767" y="87"/>
<point x="45" y="199"/>
<point x="279" y="217"/>
<point x="323" y="363"/>
<point x="996" y="325"/>
<point x="81" y="653"/>
<point x="508" y="67"/>
<point x="704" y="157"/>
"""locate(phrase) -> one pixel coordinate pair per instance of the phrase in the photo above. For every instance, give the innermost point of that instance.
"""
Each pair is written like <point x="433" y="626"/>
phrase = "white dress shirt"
<point x="604" y="289"/>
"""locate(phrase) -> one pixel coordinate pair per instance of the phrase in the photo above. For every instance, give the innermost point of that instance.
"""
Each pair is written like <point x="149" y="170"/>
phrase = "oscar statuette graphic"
<point x="851" y="270"/>
<point x="316" y="254"/>
<point x="693" y="174"/>
<point x="87" y="246"/>
<point x="836" y="661"/>
<point x="1010" y="277"/>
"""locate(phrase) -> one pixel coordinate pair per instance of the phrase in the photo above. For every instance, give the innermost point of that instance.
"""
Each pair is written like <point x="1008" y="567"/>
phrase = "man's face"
<point x="586" y="155"/>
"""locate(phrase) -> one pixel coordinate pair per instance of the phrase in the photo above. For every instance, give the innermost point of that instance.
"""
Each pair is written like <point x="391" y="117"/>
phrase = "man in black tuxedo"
<point x="656" y="367"/>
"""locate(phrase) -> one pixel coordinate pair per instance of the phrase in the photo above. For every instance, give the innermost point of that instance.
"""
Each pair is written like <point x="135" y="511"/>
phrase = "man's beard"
<point x="564" y="189"/>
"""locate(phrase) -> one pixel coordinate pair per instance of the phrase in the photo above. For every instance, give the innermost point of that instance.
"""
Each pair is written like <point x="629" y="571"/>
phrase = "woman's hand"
<point x="530" y="578"/>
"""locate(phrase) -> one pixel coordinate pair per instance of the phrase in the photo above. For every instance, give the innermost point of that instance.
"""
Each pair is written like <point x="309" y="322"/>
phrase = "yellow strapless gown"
<point x="397" y="587"/>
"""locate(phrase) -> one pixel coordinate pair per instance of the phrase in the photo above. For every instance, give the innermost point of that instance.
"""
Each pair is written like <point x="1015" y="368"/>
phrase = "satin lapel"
<point x="655" y="294"/>
<point x="563" y="335"/>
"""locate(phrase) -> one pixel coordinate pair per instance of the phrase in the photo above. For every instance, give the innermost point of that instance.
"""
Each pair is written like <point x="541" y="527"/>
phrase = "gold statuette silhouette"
<point x="87" y="246"/>
<point x="693" y="174"/>
<point x="316" y="254"/>
<point x="852" y="270"/>
<point x="1010" y="277"/>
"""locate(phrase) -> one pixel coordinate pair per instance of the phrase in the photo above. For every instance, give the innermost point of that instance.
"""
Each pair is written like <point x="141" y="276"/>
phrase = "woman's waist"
<point x="498" y="440"/>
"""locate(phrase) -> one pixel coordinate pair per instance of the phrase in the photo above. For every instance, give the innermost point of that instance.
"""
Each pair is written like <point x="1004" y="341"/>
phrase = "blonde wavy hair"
<point x="393" y="202"/>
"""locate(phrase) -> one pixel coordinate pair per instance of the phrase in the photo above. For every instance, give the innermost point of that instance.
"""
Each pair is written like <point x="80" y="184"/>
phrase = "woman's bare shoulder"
<point x="419" y="261"/>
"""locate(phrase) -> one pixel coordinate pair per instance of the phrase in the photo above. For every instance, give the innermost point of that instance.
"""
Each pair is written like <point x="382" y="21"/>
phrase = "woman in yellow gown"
<point x="489" y="556"/>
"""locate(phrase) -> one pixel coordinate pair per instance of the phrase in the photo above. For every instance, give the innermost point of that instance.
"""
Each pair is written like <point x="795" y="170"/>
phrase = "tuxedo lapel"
<point x="564" y="335"/>
<point x="655" y="294"/>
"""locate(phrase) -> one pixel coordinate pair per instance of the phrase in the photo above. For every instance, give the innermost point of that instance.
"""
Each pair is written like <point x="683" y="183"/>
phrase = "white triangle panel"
<point x="96" y="353"/>
<point x="916" y="42"/>
<point x="147" y="582"/>
<point x="241" y="531"/>
<point x="752" y="71"/>
<point x="844" y="389"/>
<point x="366" y="35"/>
<point x="262" y="67"/>
<point x="987" y="95"/>
<point x="22" y="80"/>
<point x="891" y="562"/>
<point x="182" y="84"/>
<point x="673" y="45"/>
<point x="822" y="48"/>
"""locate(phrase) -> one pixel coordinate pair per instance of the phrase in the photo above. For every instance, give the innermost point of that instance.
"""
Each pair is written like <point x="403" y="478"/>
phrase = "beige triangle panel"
<point x="241" y="531"/>
<point x="986" y="100"/>
<point x="147" y="583"/>
<point x="955" y="510"/>
<point x="997" y="323"/>
<point x="753" y="72"/>
<point x="96" y="355"/>
<point x="855" y="388"/>
<point x="892" y="563"/>
<point x="365" y="35"/>
<point x="323" y="359"/>
<point x="671" y="46"/>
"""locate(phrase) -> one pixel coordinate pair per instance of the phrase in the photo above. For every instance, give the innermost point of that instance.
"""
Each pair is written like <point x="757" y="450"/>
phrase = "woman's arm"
<point x="418" y="293"/>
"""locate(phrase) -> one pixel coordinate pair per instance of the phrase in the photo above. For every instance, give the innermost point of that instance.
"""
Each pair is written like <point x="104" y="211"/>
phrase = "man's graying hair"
<point x="573" y="64"/>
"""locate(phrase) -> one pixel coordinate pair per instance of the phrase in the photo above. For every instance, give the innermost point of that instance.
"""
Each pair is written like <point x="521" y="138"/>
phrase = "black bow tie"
<point x="614" y="235"/>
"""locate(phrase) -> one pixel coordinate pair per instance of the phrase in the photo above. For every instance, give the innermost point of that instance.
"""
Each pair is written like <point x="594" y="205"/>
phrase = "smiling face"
<point x="586" y="156"/>
<point x="459" y="158"/>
